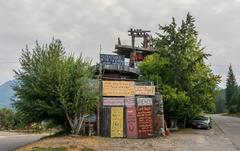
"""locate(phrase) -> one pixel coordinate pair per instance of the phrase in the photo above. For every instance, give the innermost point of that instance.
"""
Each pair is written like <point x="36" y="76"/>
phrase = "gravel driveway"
<point x="184" y="140"/>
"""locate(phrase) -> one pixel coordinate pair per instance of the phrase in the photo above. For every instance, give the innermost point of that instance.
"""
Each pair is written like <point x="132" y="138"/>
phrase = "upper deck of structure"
<point x="127" y="49"/>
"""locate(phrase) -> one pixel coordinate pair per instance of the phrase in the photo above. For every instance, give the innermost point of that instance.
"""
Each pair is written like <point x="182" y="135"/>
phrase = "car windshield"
<point x="201" y="118"/>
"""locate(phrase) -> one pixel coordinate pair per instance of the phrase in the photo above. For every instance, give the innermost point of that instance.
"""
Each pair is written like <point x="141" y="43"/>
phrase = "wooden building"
<point x="126" y="105"/>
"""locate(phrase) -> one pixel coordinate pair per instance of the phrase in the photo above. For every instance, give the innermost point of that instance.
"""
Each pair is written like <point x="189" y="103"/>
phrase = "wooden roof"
<point x="126" y="49"/>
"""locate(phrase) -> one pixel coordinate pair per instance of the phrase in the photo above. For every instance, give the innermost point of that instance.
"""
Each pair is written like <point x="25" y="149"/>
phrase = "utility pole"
<point x="100" y="92"/>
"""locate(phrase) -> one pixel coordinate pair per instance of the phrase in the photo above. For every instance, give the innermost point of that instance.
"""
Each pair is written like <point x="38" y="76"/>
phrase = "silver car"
<point x="202" y="122"/>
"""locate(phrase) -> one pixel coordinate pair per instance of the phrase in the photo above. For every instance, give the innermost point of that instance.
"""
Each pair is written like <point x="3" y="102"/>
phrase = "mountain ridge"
<point x="6" y="93"/>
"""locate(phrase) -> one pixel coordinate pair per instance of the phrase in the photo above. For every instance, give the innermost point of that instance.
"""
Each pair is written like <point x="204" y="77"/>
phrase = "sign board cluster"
<point x="131" y="108"/>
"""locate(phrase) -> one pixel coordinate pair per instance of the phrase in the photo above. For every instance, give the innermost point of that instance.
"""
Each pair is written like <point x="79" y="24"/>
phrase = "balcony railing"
<point x="121" y="68"/>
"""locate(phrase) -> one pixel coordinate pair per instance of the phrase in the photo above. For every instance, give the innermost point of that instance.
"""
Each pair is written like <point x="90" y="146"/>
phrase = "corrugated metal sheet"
<point x="113" y="101"/>
<point x="145" y="121"/>
<point x="130" y="101"/>
<point x="117" y="122"/>
<point x="131" y="122"/>
<point x="105" y="121"/>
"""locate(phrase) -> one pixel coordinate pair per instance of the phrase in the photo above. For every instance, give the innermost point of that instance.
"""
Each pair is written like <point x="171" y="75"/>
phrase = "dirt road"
<point x="9" y="141"/>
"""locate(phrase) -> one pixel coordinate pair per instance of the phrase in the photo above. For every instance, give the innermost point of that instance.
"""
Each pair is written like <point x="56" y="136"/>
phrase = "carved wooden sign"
<point x="145" y="121"/>
<point x="118" y="88"/>
<point x="131" y="122"/>
<point x="144" y="90"/>
<point x="113" y="101"/>
<point x="117" y="122"/>
<point x="130" y="101"/>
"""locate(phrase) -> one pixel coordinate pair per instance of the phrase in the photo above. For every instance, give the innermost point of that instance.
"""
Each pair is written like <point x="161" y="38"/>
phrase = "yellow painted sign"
<point x="144" y="90"/>
<point x="117" y="122"/>
<point x="118" y="88"/>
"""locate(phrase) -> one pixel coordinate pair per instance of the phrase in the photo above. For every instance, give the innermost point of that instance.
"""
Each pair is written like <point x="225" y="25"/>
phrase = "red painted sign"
<point x="131" y="121"/>
<point x="130" y="101"/>
<point x="139" y="57"/>
<point x="145" y="121"/>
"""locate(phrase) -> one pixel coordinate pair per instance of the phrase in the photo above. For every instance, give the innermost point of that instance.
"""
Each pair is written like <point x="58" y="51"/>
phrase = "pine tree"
<point x="231" y="87"/>
<point x="178" y="66"/>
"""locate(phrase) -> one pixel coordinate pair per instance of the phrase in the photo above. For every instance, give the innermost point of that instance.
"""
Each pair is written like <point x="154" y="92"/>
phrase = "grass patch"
<point x="49" y="149"/>
<point x="232" y="114"/>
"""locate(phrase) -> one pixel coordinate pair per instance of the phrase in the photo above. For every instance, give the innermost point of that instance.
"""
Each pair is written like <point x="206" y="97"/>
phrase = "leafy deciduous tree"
<point x="55" y="86"/>
<point x="6" y="118"/>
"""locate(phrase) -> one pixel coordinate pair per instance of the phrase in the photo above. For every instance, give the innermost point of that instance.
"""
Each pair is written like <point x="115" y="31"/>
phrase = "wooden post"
<point x="100" y="94"/>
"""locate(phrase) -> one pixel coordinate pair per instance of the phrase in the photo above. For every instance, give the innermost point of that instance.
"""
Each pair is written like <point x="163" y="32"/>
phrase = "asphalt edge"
<point x="224" y="133"/>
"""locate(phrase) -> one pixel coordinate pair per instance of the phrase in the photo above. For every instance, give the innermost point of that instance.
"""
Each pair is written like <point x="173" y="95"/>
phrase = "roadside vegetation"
<point x="228" y="100"/>
<point x="11" y="120"/>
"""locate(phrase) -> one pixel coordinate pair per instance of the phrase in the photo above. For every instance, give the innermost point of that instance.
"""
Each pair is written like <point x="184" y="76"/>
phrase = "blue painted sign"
<point x="107" y="59"/>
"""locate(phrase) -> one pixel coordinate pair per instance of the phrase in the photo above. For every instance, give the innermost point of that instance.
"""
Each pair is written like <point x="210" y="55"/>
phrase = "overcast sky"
<point x="83" y="25"/>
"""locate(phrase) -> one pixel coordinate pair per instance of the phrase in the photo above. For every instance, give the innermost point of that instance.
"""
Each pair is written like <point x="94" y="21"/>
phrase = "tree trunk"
<point x="75" y="123"/>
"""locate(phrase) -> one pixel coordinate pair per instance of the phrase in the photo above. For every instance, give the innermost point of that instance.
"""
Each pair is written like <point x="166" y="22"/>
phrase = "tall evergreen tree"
<point x="178" y="66"/>
<point x="231" y="88"/>
<point x="220" y="101"/>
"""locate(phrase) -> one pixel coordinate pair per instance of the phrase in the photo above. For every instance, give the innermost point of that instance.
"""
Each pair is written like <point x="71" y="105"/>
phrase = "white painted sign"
<point x="144" y="101"/>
